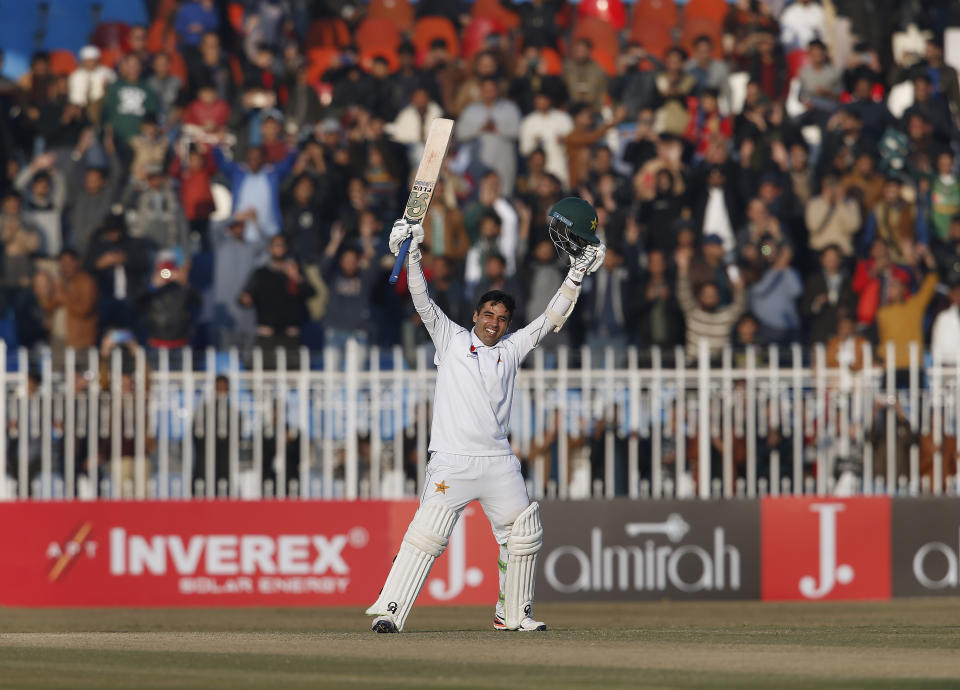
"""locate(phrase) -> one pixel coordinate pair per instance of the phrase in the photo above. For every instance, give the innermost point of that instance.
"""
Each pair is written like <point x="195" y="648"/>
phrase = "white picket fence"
<point x="158" y="432"/>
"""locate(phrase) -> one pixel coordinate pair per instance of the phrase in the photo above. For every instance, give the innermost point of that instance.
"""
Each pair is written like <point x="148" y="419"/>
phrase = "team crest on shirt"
<point x="441" y="487"/>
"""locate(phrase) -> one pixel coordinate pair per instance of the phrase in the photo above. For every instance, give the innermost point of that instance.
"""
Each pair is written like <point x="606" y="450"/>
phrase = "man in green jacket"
<point x="128" y="100"/>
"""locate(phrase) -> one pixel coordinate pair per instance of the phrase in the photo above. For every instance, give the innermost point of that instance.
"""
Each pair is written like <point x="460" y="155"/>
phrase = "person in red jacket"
<point x="870" y="279"/>
<point x="207" y="110"/>
<point x="195" y="194"/>
<point x="706" y="124"/>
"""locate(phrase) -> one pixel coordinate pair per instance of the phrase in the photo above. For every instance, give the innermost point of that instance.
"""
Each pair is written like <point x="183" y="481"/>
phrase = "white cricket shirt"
<point x="474" y="393"/>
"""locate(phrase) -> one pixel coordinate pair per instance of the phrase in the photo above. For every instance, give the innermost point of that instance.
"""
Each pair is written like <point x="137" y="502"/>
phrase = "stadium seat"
<point x="62" y="62"/>
<point x="796" y="59"/>
<point x="327" y="33"/>
<point x="552" y="61"/>
<point x="654" y="35"/>
<point x="428" y="29"/>
<point x="67" y="26"/>
<point x="475" y="35"/>
<point x="319" y="60"/>
<point x="598" y="32"/>
<point x="606" y="59"/>
<point x="661" y="11"/>
<point x="111" y="57"/>
<point x="492" y="9"/>
<point x="132" y="12"/>
<point x="111" y="35"/>
<point x="377" y="33"/>
<point x="694" y="27"/>
<point x="400" y="12"/>
<point x="610" y="11"/>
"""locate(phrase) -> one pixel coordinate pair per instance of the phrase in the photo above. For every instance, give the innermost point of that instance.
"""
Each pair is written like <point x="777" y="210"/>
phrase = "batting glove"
<point x="588" y="262"/>
<point x="401" y="231"/>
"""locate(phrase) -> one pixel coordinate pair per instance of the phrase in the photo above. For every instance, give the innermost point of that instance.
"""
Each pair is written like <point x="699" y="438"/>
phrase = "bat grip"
<point x="401" y="257"/>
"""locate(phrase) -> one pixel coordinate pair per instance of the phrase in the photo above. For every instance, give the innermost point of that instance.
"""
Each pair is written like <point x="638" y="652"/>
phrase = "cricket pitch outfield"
<point x="902" y="643"/>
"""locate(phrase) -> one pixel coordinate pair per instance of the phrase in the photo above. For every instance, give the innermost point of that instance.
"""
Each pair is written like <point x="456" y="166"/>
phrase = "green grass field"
<point x="898" y="644"/>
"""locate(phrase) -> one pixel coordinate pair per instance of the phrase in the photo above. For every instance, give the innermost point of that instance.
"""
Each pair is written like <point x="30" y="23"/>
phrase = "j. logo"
<point x="831" y="573"/>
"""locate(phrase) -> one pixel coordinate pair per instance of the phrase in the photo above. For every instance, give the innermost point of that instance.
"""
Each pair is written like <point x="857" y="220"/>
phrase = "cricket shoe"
<point x="384" y="624"/>
<point x="526" y="625"/>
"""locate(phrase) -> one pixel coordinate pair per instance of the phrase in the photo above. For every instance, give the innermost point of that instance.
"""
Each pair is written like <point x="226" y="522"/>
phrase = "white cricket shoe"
<point x="384" y="624"/>
<point x="526" y="625"/>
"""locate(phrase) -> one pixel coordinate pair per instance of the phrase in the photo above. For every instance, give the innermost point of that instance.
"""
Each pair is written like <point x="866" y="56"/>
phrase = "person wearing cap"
<point x="234" y="259"/>
<point x="900" y="319"/>
<point x="87" y="84"/>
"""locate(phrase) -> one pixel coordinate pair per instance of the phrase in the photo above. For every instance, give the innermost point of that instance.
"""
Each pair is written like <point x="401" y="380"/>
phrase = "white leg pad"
<point x="425" y="540"/>
<point x="523" y="548"/>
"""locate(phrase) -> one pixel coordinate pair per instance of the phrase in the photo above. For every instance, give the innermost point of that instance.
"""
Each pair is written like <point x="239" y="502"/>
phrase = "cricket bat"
<point x="428" y="172"/>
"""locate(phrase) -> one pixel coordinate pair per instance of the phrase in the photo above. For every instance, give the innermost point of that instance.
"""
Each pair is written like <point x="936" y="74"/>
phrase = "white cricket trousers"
<point x="496" y="482"/>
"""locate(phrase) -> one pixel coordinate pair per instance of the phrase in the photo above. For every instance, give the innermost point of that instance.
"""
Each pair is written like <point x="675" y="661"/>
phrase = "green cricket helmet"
<point x="572" y="224"/>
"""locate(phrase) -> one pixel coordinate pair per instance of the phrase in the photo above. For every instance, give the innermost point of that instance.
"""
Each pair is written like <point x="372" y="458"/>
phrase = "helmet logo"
<point x="593" y="224"/>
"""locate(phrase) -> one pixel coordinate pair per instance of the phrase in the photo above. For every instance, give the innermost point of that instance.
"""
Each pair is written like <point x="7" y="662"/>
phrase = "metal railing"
<point x="767" y="423"/>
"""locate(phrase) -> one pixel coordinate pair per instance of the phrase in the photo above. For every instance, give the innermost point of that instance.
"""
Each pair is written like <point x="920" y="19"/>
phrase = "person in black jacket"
<point x="654" y="307"/>
<point x="169" y="307"/>
<point x="826" y="294"/>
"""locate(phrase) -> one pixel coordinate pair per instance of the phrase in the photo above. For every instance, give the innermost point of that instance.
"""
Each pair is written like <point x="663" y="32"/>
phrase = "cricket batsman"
<point x="470" y="454"/>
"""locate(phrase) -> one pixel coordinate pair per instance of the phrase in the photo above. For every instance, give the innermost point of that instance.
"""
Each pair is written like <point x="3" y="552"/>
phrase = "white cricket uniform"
<point x="471" y="458"/>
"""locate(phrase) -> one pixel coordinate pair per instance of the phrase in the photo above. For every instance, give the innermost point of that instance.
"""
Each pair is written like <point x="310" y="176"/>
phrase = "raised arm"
<point x="438" y="324"/>
<point x="561" y="306"/>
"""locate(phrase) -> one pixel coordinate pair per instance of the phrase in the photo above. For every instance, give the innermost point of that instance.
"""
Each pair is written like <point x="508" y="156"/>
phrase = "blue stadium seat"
<point x="19" y="21"/>
<point x="128" y="11"/>
<point x="68" y="26"/>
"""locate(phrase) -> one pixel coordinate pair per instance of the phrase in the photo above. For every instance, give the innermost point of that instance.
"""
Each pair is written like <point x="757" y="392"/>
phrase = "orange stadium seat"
<point x="492" y="9"/>
<point x="62" y="62"/>
<point x="702" y="26"/>
<point x="400" y="12"/>
<point x="178" y="66"/>
<point x="598" y="32"/>
<point x="655" y="36"/>
<point x="428" y="29"/>
<point x="327" y="33"/>
<point x="111" y="57"/>
<point x="611" y="11"/>
<point x="552" y="61"/>
<point x="660" y="11"/>
<point x="320" y="60"/>
<point x="377" y="32"/>
<point x="606" y="59"/>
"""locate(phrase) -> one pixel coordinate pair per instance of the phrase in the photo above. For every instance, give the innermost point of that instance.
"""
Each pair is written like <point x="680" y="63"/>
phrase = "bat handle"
<point x="401" y="257"/>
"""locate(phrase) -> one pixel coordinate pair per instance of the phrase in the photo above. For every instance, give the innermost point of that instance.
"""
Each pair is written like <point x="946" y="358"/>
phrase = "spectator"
<point x="169" y="306"/>
<point x="19" y="244"/>
<point x="946" y="331"/>
<point x="706" y="125"/>
<point x="208" y="110"/>
<point x="490" y="127"/>
<point x="893" y="220"/>
<point x="32" y="321"/>
<point x="155" y="214"/>
<point x="900" y="320"/>
<point x="490" y="242"/>
<point x="121" y="266"/>
<point x="490" y="200"/>
<point x="75" y="295"/>
<point x="820" y="84"/>
<point x="709" y="73"/>
<point x="443" y="228"/>
<point x="801" y="22"/>
<point x="656" y="214"/>
<point x="194" y="19"/>
<point x="304" y="226"/>
<point x="705" y="318"/>
<point x="832" y="221"/>
<point x="943" y="77"/>
<point x="947" y="252"/>
<point x="585" y="79"/>
<point x="674" y="86"/>
<point x="845" y="348"/>
<point x="944" y="196"/>
<point x="710" y="266"/>
<point x="150" y="150"/>
<point x="874" y="114"/>
<point x="413" y="122"/>
<point x="871" y="279"/>
<point x="44" y="194"/>
<point x="128" y="100"/>
<point x="827" y="295"/>
<point x="196" y="197"/>
<point x="635" y="86"/>
<point x="278" y="293"/>
<point x="769" y="68"/>
<point x="716" y="209"/>
<point x="100" y="181"/>
<point x="256" y="186"/>
<point x="546" y="128"/>
<point x="582" y="137"/>
<point x="235" y="259"/>
<point x="213" y="67"/>
<point x="89" y="81"/>
<point x="863" y="183"/>
<point x="657" y="313"/>
<point x="773" y="297"/>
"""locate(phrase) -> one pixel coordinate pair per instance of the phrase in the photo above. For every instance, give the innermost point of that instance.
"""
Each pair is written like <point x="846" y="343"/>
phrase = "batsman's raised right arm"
<point x="438" y="324"/>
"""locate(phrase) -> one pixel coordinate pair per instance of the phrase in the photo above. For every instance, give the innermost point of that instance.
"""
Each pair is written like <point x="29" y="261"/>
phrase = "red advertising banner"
<point x="821" y="548"/>
<point x="226" y="553"/>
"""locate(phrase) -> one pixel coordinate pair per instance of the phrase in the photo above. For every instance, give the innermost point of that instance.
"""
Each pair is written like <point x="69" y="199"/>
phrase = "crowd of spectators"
<point x="752" y="187"/>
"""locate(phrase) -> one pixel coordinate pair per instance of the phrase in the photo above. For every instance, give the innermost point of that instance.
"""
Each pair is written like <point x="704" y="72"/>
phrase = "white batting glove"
<point x="401" y="231"/>
<point x="588" y="262"/>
